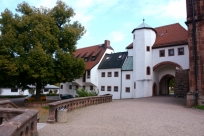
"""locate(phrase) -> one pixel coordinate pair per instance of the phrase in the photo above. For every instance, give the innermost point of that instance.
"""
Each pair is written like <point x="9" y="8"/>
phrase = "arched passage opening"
<point x="165" y="88"/>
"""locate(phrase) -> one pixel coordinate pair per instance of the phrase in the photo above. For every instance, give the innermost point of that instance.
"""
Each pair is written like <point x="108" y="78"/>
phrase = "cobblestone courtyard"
<point x="154" y="116"/>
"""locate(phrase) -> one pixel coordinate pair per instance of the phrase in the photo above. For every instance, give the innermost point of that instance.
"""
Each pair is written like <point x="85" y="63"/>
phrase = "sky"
<point x="114" y="20"/>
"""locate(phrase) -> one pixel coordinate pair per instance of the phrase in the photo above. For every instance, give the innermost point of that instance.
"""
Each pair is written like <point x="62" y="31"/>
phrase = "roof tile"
<point x="96" y="50"/>
<point x="169" y="35"/>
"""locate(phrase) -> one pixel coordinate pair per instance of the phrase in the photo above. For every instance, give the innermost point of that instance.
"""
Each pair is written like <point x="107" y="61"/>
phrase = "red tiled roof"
<point x="169" y="35"/>
<point x="96" y="50"/>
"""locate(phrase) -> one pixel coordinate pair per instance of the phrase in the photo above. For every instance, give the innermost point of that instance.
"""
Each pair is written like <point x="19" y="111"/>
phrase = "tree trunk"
<point x="38" y="90"/>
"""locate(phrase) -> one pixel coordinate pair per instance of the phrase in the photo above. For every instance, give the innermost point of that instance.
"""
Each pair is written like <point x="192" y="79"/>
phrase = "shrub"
<point x="31" y="91"/>
<point x="55" y="91"/>
<point x="50" y="92"/>
<point x="84" y="93"/>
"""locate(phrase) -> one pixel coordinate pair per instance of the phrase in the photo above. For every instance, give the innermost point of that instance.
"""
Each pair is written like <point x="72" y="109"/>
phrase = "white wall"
<point x="182" y="60"/>
<point x="110" y="81"/>
<point x="127" y="83"/>
<point x="130" y="52"/>
<point x="142" y="59"/>
<point x="7" y="91"/>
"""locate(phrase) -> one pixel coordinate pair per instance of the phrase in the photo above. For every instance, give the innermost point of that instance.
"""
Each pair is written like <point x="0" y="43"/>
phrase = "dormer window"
<point x="120" y="56"/>
<point x="93" y="58"/>
<point x="85" y="59"/>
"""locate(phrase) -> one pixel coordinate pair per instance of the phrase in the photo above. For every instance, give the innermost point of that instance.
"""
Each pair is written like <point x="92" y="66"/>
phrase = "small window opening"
<point x="103" y="74"/>
<point x="93" y="58"/>
<point x="148" y="70"/>
<point x="85" y="59"/>
<point x="148" y="48"/>
<point x="102" y="88"/>
<point x="120" y="56"/>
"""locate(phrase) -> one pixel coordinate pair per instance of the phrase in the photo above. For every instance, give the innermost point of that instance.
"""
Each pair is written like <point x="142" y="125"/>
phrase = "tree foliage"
<point x="37" y="45"/>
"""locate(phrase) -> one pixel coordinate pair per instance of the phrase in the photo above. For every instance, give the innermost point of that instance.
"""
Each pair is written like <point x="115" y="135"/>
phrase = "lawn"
<point x="199" y="107"/>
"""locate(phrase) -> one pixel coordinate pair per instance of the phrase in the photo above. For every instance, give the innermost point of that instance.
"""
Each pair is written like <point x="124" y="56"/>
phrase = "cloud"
<point x="173" y="9"/>
<point x="117" y="36"/>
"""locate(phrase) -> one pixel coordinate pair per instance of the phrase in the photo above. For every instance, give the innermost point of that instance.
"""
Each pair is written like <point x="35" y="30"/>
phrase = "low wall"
<point x="7" y="104"/>
<point x="75" y="103"/>
<point x="18" y="122"/>
<point x="37" y="104"/>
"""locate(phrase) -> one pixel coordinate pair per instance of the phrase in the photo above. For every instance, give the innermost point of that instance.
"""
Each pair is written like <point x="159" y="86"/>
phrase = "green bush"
<point x="84" y="93"/>
<point x="31" y="91"/>
<point x="50" y="92"/>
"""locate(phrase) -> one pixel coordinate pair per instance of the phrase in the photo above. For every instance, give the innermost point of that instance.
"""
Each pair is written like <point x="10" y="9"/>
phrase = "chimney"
<point x="107" y="43"/>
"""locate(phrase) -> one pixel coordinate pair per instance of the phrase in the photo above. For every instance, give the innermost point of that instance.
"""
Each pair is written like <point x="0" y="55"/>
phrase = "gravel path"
<point x="155" y="116"/>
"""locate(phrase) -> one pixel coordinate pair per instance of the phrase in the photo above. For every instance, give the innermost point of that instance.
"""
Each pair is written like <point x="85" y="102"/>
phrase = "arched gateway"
<point x="163" y="73"/>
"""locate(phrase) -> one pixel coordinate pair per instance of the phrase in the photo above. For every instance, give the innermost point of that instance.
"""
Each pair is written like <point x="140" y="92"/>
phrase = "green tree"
<point x="37" y="45"/>
<point x="171" y="84"/>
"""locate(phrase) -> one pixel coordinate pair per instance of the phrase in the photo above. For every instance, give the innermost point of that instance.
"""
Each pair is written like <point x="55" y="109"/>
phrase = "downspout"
<point x="121" y="85"/>
<point x="195" y="54"/>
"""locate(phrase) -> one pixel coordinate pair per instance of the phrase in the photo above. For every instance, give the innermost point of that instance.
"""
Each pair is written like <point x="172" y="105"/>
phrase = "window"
<point x="88" y="74"/>
<point x="180" y="51"/>
<point x="93" y="58"/>
<point x="61" y="87"/>
<point x="120" y="56"/>
<point x="133" y="36"/>
<point x="76" y="86"/>
<point x="109" y="74"/>
<point x="102" y="88"/>
<point x="134" y="85"/>
<point x="14" y="89"/>
<point x="162" y="53"/>
<point x="171" y="52"/>
<point x="91" y="87"/>
<point x="127" y="76"/>
<point x="108" y="88"/>
<point x="85" y="59"/>
<point x="148" y="48"/>
<point x="115" y="74"/>
<point x="107" y="58"/>
<point x="84" y="87"/>
<point x="103" y="74"/>
<point x="148" y="70"/>
<point x="115" y="88"/>
<point x="70" y="86"/>
<point x="127" y="89"/>
<point x="46" y="90"/>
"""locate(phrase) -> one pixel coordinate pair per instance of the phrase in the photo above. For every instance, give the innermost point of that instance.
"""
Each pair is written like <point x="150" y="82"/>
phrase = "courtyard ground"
<point x="154" y="116"/>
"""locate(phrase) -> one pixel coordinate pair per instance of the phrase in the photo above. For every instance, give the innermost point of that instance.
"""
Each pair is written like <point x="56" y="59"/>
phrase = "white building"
<point x="18" y="91"/>
<point x="92" y="56"/>
<point x="151" y="61"/>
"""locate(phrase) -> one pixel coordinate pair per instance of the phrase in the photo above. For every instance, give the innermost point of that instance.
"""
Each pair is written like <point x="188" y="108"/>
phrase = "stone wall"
<point x="17" y="122"/>
<point x="199" y="38"/>
<point x="75" y="103"/>
<point x="181" y="82"/>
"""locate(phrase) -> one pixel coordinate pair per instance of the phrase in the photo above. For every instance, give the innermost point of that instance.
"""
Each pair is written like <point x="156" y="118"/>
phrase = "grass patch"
<point x="46" y="107"/>
<point x="199" y="107"/>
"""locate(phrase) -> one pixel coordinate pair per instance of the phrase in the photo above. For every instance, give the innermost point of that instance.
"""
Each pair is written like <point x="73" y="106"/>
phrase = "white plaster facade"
<point x="127" y="83"/>
<point x="146" y="56"/>
<point x="110" y="81"/>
